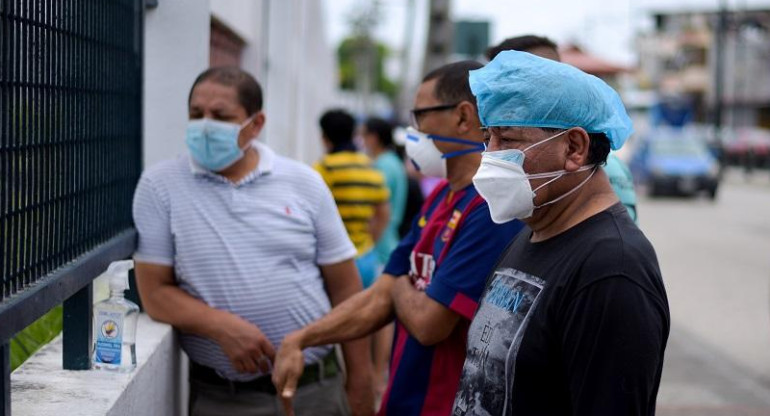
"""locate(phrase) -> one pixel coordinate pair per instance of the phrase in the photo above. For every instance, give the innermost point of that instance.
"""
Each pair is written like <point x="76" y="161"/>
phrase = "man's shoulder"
<point x="351" y="166"/>
<point x="164" y="179"/>
<point x="296" y="174"/>
<point x="284" y="164"/>
<point x="617" y="247"/>
<point x="169" y="170"/>
<point x="616" y="232"/>
<point x="348" y="160"/>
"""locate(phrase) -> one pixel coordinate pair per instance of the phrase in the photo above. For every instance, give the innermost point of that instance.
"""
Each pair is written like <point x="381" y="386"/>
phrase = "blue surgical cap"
<point x="524" y="90"/>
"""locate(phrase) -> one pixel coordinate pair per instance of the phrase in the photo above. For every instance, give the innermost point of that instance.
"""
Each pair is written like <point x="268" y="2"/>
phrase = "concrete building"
<point x="283" y="43"/>
<point x="438" y="46"/>
<point x="680" y="57"/>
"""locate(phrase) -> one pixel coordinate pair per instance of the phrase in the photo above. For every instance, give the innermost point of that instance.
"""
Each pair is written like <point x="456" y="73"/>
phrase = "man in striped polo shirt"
<point x="239" y="246"/>
<point x="434" y="278"/>
<point x="358" y="189"/>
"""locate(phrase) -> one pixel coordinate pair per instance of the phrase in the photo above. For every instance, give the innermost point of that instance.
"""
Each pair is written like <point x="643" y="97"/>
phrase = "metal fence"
<point x="70" y="157"/>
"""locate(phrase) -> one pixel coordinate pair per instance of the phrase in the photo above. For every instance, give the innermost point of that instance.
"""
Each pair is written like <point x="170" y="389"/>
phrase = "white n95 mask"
<point x="426" y="157"/>
<point x="502" y="182"/>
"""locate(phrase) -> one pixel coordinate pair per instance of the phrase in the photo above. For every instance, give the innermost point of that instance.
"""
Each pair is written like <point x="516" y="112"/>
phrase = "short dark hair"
<point x="521" y="43"/>
<point x="249" y="91"/>
<point x="382" y="129"/>
<point x="598" y="146"/>
<point x="338" y="126"/>
<point x="452" y="84"/>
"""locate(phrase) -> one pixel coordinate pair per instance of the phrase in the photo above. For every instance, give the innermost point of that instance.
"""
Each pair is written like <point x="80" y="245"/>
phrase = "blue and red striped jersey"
<point x="451" y="248"/>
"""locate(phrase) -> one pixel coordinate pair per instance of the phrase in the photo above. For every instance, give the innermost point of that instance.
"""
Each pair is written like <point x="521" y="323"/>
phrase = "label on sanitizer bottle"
<point x="109" y="339"/>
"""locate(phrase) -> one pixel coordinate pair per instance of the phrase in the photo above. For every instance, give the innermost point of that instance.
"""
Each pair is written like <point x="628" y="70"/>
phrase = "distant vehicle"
<point x="675" y="164"/>
<point x="748" y="147"/>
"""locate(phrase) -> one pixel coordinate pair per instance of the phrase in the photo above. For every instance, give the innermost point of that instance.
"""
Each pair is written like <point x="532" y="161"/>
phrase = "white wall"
<point x="247" y="19"/>
<point x="176" y="50"/>
<point x="287" y="51"/>
<point x="238" y="15"/>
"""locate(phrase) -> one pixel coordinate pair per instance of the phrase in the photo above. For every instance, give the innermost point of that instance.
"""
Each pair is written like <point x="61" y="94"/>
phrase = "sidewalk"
<point x="698" y="381"/>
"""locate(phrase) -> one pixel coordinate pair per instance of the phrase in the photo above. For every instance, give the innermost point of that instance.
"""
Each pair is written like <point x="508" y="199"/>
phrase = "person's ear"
<point x="252" y="129"/>
<point x="256" y="124"/>
<point x="467" y="118"/>
<point x="578" y="145"/>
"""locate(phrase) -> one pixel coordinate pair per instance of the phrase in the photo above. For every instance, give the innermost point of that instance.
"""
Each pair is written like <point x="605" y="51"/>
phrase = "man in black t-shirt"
<point x="574" y="319"/>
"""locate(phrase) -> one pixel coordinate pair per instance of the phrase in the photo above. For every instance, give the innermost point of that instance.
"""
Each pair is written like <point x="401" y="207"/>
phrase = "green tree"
<point x="352" y="54"/>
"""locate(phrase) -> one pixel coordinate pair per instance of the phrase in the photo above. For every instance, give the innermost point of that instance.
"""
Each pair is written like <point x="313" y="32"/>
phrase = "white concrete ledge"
<point x="41" y="387"/>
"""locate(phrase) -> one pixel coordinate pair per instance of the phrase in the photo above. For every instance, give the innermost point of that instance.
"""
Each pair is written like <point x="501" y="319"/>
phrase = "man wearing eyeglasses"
<point x="435" y="276"/>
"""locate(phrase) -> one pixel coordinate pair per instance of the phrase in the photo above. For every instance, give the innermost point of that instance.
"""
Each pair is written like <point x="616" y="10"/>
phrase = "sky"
<point x="604" y="28"/>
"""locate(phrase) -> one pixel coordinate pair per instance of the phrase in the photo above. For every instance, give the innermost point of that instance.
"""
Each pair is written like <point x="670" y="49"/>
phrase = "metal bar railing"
<point x="77" y="329"/>
<point x="21" y="310"/>
<point x="70" y="157"/>
<point x="72" y="285"/>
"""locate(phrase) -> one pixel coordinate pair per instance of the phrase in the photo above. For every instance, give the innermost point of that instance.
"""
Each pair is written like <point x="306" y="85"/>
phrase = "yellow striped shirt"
<point x="357" y="187"/>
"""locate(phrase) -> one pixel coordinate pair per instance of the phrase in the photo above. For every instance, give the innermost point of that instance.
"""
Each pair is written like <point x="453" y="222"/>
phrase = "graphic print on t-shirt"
<point x="422" y="266"/>
<point x="493" y="343"/>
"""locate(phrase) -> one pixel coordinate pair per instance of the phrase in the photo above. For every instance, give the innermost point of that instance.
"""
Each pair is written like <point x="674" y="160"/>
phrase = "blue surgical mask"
<point x="214" y="144"/>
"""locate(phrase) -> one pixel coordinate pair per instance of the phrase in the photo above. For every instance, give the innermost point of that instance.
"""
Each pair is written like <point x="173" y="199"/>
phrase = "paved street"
<point x="715" y="258"/>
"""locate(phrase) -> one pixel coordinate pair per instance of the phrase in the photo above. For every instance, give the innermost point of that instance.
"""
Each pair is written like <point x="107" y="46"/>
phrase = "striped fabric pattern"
<point x="357" y="187"/>
<point x="251" y="248"/>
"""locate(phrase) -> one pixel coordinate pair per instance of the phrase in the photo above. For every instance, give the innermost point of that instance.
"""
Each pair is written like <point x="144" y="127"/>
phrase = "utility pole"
<point x="719" y="68"/>
<point x="402" y="102"/>
<point x="440" y="31"/>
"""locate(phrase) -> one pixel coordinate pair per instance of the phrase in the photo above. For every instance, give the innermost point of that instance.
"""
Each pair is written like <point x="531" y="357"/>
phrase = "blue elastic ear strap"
<point x="461" y="152"/>
<point x="477" y="147"/>
<point x="453" y="140"/>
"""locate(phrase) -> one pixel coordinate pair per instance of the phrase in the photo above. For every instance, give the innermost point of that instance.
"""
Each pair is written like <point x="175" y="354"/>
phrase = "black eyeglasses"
<point x="417" y="113"/>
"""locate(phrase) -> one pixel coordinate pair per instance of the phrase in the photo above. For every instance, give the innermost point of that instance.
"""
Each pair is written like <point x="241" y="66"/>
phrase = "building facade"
<point x="680" y="57"/>
<point x="283" y="43"/>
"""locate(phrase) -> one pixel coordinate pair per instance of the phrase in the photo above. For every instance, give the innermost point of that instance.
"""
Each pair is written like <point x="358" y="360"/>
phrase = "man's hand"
<point x="288" y="367"/>
<point x="360" y="392"/>
<point x="362" y="314"/>
<point x="245" y="345"/>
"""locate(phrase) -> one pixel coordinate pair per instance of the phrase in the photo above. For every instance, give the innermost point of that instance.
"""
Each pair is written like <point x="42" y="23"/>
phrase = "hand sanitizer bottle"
<point x="115" y="324"/>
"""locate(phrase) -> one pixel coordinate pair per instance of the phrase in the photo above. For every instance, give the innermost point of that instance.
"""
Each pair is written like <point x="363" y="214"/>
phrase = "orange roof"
<point x="588" y="63"/>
